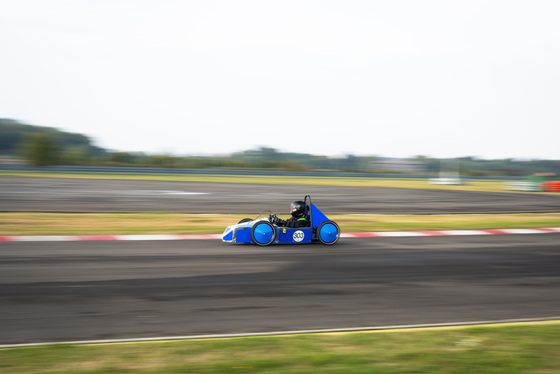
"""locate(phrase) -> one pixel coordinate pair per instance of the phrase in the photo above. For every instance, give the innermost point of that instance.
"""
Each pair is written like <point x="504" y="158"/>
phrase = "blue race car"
<point x="264" y="232"/>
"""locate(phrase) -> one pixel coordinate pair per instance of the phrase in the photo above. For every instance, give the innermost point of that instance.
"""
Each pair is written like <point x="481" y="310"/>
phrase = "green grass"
<point x="172" y="223"/>
<point x="525" y="348"/>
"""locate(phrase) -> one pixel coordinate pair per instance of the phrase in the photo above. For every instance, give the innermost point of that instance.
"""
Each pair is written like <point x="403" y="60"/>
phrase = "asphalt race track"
<point x="91" y="195"/>
<point x="67" y="291"/>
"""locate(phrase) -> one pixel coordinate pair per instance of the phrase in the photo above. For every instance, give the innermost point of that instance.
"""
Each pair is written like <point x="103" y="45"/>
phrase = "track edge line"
<point x="370" y="329"/>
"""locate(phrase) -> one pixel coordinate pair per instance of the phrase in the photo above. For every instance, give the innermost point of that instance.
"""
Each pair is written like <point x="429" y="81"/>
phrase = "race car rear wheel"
<point x="263" y="233"/>
<point x="244" y="220"/>
<point x="328" y="232"/>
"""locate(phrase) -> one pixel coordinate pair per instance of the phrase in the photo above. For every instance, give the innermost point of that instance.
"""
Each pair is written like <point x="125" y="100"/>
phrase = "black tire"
<point x="328" y="232"/>
<point x="263" y="233"/>
<point x="244" y="220"/>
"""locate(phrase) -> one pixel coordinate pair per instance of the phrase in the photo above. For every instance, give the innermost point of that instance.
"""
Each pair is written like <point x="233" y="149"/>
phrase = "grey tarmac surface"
<point x="66" y="291"/>
<point x="94" y="195"/>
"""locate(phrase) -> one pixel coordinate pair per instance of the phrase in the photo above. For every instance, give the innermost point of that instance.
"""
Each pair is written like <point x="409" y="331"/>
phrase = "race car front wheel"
<point x="328" y="232"/>
<point x="263" y="233"/>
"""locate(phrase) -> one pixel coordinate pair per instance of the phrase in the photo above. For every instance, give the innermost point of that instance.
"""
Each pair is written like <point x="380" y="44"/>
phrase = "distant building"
<point x="400" y="165"/>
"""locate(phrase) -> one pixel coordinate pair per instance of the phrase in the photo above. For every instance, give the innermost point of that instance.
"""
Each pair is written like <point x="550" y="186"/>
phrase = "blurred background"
<point x="22" y="144"/>
<point x="394" y="79"/>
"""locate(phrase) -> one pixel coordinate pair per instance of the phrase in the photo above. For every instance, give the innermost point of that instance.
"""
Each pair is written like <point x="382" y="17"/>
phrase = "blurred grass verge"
<point x="14" y="223"/>
<point x="523" y="348"/>
<point x="471" y="185"/>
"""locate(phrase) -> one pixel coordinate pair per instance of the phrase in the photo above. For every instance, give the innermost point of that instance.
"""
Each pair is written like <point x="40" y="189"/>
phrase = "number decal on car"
<point x="298" y="236"/>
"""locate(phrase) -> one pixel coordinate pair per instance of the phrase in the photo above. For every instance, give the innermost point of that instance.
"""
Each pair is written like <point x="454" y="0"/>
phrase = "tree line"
<point x="43" y="146"/>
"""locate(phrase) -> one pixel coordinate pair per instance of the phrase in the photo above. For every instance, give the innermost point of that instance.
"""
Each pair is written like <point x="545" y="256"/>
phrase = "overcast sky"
<point x="389" y="78"/>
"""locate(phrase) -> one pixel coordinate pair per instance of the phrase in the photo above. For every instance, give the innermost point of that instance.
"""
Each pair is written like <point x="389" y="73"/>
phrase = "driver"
<point x="298" y="219"/>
